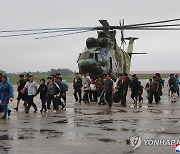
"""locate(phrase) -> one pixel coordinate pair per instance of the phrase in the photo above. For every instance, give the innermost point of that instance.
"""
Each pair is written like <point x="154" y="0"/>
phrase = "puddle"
<point x="49" y="131"/>
<point x="25" y="136"/>
<point x="137" y="111"/>
<point x="122" y="110"/>
<point x="3" y="149"/>
<point x="5" y="137"/>
<point x="104" y="121"/>
<point x="155" y="111"/>
<point x="107" y="140"/>
<point x="109" y="129"/>
<point x="61" y="121"/>
<point x="92" y="134"/>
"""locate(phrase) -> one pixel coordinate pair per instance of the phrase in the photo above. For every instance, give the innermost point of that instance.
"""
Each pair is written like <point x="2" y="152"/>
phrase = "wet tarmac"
<point x="90" y="128"/>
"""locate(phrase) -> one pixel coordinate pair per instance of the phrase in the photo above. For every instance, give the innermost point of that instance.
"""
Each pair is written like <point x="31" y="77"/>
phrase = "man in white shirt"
<point x="31" y="87"/>
<point x="86" y="80"/>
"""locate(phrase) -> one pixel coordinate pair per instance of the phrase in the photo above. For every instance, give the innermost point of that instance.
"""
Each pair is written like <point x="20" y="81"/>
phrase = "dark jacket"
<point x="135" y="86"/>
<point x="43" y="91"/>
<point x="21" y="84"/>
<point x="123" y="87"/>
<point x="59" y="89"/>
<point x="77" y="84"/>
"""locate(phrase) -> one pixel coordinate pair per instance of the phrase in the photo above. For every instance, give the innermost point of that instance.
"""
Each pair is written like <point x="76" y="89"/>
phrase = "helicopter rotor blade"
<point x="154" y="26"/>
<point x="136" y="28"/>
<point x="37" y="33"/>
<point x="78" y="32"/>
<point x="45" y="29"/>
<point x="156" y="22"/>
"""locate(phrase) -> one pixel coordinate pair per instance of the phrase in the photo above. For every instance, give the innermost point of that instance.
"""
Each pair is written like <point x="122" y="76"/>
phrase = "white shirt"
<point x="31" y="88"/>
<point x="86" y="82"/>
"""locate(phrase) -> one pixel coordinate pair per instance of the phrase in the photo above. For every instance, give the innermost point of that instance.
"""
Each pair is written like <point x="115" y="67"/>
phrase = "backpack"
<point x="65" y="84"/>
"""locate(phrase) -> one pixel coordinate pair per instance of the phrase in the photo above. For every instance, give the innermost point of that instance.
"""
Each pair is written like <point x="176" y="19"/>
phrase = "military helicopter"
<point x="101" y="55"/>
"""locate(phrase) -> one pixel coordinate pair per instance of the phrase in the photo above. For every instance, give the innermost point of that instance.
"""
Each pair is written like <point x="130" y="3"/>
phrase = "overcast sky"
<point x="26" y="54"/>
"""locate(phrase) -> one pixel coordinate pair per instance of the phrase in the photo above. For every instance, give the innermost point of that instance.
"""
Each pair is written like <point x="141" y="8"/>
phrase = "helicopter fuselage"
<point x="105" y="57"/>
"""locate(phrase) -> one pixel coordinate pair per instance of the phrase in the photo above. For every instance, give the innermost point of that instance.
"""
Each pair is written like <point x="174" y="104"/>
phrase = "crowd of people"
<point x="104" y="90"/>
<point x="101" y="90"/>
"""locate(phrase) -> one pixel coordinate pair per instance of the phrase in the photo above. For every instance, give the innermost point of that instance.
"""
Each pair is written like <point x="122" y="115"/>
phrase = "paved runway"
<point x="90" y="128"/>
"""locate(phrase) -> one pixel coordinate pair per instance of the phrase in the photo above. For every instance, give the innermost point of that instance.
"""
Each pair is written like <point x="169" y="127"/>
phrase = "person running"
<point x="31" y="87"/>
<point x="109" y="89"/>
<point x="135" y="87"/>
<point x="43" y="94"/>
<point x="77" y="85"/>
<point x="21" y="83"/>
<point x="177" y="84"/>
<point x="172" y="85"/>
<point x="6" y="95"/>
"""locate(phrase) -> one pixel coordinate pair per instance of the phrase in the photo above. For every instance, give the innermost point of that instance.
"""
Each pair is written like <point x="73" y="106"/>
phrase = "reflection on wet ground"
<point x="89" y="128"/>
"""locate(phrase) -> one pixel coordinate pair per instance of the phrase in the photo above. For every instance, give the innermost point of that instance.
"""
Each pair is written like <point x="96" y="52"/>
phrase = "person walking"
<point x="86" y="86"/>
<point x="172" y="85"/>
<point x="21" y="83"/>
<point x="59" y="92"/>
<point x="77" y="85"/>
<point x="50" y="92"/>
<point x="122" y="87"/>
<point x="6" y="95"/>
<point x="31" y="87"/>
<point x="154" y="90"/>
<point x="109" y="89"/>
<point x="177" y="84"/>
<point x="135" y="88"/>
<point x="43" y="94"/>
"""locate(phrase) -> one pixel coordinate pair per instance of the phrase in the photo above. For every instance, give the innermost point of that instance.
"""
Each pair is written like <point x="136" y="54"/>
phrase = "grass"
<point x="37" y="79"/>
<point x="69" y="79"/>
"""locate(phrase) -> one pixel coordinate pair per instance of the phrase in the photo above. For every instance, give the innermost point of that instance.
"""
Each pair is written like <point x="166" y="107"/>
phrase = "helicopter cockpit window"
<point x="98" y="57"/>
<point x="86" y="55"/>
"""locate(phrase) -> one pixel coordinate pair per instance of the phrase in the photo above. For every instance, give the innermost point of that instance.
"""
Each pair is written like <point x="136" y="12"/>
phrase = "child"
<point x="43" y="94"/>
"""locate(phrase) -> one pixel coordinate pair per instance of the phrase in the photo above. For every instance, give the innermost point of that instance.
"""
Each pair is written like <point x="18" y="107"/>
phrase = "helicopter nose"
<point x="90" y="67"/>
<point x="86" y="66"/>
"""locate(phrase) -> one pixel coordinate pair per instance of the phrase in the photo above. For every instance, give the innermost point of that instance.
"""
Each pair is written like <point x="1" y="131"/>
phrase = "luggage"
<point x="117" y="97"/>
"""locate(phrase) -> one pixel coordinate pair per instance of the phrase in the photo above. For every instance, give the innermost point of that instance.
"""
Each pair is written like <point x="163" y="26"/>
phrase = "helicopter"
<point x="102" y="55"/>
